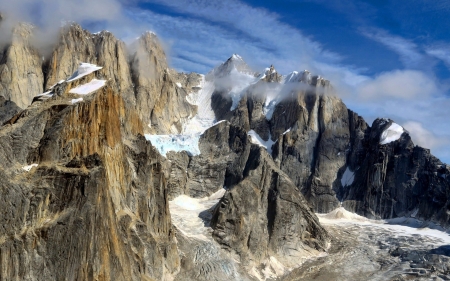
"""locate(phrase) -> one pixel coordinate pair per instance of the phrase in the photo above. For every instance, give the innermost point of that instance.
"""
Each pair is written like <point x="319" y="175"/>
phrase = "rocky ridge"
<point x="288" y="147"/>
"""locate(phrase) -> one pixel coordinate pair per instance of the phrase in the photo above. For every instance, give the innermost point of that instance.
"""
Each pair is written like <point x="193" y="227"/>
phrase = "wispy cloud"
<point x="440" y="52"/>
<point x="424" y="137"/>
<point x="225" y="27"/>
<point x="408" y="51"/>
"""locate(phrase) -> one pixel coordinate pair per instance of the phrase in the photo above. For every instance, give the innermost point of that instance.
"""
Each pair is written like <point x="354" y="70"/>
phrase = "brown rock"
<point x="21" y="76"/>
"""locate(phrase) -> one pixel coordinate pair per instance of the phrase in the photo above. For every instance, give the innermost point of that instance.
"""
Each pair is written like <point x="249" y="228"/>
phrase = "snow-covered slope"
<point x="393" y="133"/>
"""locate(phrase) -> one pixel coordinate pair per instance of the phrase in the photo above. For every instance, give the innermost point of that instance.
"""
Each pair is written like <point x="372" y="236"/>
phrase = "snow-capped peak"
<point x="236" y="57"/>
<point x="234" y="63"/>
<point x="393" y="133"/>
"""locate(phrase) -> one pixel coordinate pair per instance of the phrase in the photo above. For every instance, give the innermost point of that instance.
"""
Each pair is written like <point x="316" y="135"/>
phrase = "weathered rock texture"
<point x="161" y="104"/>
<point x="7" y="110"/>
<point x="141" y="74"/>
<point x="265" y="216"/>
<point x="310" y="127"/>
<point x="21" y="76"/>
<point x="317" y="139"/>
<point x="224" y="152"/>
<point x="95" y="207"/>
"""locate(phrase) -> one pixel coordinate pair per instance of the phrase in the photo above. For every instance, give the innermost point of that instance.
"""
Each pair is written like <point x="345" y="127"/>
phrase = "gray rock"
<point x="7" y="110"/>
<point x="397" y="179"/>
<point x="224" y="152"/>
<point x="264" y="215"/>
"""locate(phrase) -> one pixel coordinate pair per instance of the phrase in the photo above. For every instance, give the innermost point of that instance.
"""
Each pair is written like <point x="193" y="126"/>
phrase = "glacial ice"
<point x="177" y="143"/>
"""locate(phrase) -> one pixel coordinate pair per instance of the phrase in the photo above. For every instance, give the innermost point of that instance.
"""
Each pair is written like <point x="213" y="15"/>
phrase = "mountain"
<point x="116" y="167"/>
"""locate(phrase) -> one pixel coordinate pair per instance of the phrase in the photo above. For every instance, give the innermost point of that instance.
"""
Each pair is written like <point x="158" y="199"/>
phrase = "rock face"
<point x="85" y="197"/>
<point x="95" y="206"/>
<point x="161" y="104"/>
<point x="21" y="76"/>
<point x="395" y="179"/>
<point x="140" y="75"/>
<point x="321" y="145"/>
<point x="264" y="216"/>
<point x="7" y="110"/>
<point x="224" y="152"/>
<point x="310" y="128"/>
<point x="77" y="45"/>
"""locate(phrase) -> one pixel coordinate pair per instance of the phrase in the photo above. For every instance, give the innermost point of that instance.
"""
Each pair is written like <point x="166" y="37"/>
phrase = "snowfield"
<point x="393" y="133"/>
<point x="90" y="87"/>
<point x="256" y="139"/>
<point x="83" y="70"/>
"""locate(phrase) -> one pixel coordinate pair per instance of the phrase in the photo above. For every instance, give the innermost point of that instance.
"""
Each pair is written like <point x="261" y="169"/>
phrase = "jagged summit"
<point x="271" y="75"/>
<point x="235" y="63"/>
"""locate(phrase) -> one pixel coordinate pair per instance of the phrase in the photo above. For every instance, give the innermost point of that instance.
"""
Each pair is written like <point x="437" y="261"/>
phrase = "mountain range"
<point x="116" y="167"/>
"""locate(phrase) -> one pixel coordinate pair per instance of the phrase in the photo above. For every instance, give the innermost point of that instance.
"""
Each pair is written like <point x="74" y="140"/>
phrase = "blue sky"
<point x="385" y="58"/>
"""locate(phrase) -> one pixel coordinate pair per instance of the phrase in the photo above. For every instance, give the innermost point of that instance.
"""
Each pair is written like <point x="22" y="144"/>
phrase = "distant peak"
<point x="234" y="63"/>
<point x="236" y="57"/>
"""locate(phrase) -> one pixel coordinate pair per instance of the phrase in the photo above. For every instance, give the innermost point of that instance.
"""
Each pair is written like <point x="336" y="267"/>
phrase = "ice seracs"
<point x="393" y="133"/>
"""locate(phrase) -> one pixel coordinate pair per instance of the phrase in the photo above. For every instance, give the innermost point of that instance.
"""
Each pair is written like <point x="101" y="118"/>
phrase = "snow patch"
<point x="83" y="70"/>
<point x="88" y="88"/>
<point x="342" y="214"/>
<point x="178" y="84"/>
<point x="239" y="82"/>
<point x="28" y="168"/>
<point x="287" y="131"/>
<point x="177" y="143"/>
<point x="398" y="226"/>
<point x="205" y="116"/>
<point x="185" y="212"/>
<point x="393" y="133"/>
<point x="256" y="139"/>
<point x="347" y="178"/>
<point x="76" y="100"/>
<point x="269" y="107"/>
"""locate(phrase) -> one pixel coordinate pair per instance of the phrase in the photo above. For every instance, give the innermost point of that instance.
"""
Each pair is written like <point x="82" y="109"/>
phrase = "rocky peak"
<point x="234" y="63"/>
<point x="21" y="76"/>
<point x="271" y="75"/>
<point x="296" y="76"/>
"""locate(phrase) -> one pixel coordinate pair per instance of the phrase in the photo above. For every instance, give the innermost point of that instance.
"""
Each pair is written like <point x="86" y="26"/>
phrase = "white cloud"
<point x="423" y="137"/>
<point x="404" y="84"/>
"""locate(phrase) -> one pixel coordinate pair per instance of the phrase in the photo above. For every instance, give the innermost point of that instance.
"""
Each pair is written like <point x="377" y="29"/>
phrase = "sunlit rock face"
<point x="84" y="189"/>
<point x="21" y="76"/>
